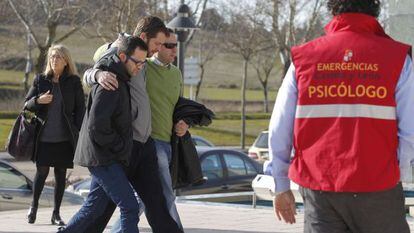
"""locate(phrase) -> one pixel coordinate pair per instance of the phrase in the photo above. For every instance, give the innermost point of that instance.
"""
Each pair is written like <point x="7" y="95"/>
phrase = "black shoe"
<point x="56" y="219"/>
<point x="31" y="215"/>
<point x="61" y="229"/>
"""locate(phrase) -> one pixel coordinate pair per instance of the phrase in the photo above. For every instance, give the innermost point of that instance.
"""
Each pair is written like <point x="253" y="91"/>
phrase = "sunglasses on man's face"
<point x="170" y="45"/>
<point x="137" y="62"/>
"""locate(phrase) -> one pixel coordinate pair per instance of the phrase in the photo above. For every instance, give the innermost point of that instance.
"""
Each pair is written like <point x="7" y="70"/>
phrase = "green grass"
<point x="213" y="93"/>
<point x="5" y="127"/>
<point x="227" y="132"/>
<point x="11" y="87"/>
<point x="253" y="127"/>
<point x="12" y="76"/>
<point x="224" y="70"/>
<point x="236" y="116"/>
<point x="220" y="138"/>
<point x="8" y="77"/>
<point x="220" y="132"/>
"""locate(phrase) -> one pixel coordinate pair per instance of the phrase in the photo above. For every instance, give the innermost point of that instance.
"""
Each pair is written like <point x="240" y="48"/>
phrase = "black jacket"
<point x="106" y="134"/>
<point x="192" y="113"/>
<point x="185" y="165"/>
<point x="73" y="104"/>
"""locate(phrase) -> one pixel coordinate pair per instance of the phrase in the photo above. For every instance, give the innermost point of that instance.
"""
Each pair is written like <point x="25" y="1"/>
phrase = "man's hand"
<point x="107" y="80"/>
<point x="181" y="128"/>
<point x="45" y="98"/>
<point x="284" y="207"/>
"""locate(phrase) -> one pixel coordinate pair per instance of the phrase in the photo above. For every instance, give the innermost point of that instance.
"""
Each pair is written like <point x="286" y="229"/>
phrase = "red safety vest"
<point x="345" y="133"/>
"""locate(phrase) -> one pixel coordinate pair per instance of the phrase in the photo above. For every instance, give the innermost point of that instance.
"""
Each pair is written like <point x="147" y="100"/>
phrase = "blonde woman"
<point x="57" y="99"/>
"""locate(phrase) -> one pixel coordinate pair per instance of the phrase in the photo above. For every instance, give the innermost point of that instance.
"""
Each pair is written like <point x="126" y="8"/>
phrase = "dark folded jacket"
<point x="185" y="165"/>
<point x="106" y="134"/>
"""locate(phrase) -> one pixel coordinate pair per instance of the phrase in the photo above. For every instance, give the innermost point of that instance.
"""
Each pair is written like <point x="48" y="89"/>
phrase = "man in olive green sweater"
<point x="164" y="87"/>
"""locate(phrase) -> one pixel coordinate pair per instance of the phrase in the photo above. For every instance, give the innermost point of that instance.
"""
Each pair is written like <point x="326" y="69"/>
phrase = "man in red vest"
<point x="345" y="106"/>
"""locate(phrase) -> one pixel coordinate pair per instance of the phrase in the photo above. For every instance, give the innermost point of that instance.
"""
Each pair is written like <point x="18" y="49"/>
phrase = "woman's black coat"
<point x="73" y="104"/>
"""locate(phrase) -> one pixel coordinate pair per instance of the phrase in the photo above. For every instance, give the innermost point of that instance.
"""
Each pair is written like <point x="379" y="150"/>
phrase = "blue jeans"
<point x="164" y="159"/>
<point x="108" y="182"/>
<point x="116" y="228"/>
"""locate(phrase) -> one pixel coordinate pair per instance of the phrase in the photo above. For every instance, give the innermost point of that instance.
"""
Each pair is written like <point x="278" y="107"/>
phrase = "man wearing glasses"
<point x="105" y="141"/>
<point x="143" y="169"/>
<point x="164" y="87"/>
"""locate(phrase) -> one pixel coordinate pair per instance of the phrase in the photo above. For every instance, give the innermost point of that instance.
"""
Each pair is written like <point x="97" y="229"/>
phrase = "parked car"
<point x="264" y="188"/>
<point x="226" y="171"/>
<point x="200" y="141"/>
<point x="260" y="148"/>
<point x="16" y="191"/>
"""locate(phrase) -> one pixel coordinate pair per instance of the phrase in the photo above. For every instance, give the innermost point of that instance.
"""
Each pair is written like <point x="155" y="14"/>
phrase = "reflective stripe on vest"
<point x="346" y="110"/>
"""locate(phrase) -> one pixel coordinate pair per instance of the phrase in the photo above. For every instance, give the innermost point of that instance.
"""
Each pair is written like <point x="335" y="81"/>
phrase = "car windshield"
<point x="261" y="141"/>
<point x="9" y="179"/>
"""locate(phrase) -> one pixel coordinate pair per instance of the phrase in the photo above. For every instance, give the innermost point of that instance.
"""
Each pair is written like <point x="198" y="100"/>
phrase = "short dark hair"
<point x="369" y="7"/>
<point x="151" y="25"/>
<point x="128" y="45"/>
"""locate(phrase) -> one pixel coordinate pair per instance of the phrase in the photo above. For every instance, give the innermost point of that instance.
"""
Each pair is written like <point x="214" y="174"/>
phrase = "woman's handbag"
<point x="20" y="143"/>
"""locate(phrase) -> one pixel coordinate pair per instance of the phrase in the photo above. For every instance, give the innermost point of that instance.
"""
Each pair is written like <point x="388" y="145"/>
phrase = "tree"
<point x="117" y="16"/>
<point x="209" y="37"/>
<point x="158" y="8"/>
<point x="208" y="48"/>
<point x="284" y="14"/>
<point x="122" y="16"/>
<point x="245" y="38"/>
<point x="54" y="13"/>
<point x="264" y="62"/>
<point x="200" y="6"/>
<point x="211" y="20"/>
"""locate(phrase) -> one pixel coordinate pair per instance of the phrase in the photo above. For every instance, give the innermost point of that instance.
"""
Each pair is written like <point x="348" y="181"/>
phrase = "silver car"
<point x="16" y="191"/>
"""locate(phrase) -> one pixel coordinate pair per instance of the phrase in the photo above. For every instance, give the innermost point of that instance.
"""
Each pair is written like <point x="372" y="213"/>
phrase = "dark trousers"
<point x="374" y="212"/>
<point x="144" y="178"/>
<point x="108" y="183"/>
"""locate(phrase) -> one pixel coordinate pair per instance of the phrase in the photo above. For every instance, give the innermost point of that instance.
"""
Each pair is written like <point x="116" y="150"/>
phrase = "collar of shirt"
<point x="159" y="63"/>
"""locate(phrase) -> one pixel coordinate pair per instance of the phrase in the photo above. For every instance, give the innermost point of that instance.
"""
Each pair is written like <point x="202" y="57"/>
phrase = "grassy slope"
<point x="11" y="76"/>
<point x="220" y="132"/>
<point x="214" y="93"/>
<point x="225" y="69"/>
<point x="221" y="139"/>
<point x="5" y="127"/>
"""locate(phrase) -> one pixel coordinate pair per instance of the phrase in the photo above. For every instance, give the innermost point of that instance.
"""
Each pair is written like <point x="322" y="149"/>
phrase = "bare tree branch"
<point x="312" y="22"/>
<point x="25" y="23"/>
<point x="45" y="6"/>
<point x="191" y="35"/>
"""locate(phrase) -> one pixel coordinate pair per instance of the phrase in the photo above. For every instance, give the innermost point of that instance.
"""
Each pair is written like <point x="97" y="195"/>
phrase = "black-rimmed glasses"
<point x="137" y="62"/>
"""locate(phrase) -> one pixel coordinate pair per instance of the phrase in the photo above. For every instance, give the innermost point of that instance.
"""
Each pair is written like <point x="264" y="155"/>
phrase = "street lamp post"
<point x="182" y="25"/>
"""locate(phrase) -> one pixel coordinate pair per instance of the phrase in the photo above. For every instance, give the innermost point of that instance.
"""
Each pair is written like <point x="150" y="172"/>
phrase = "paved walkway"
<point x="196" y="217"/>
